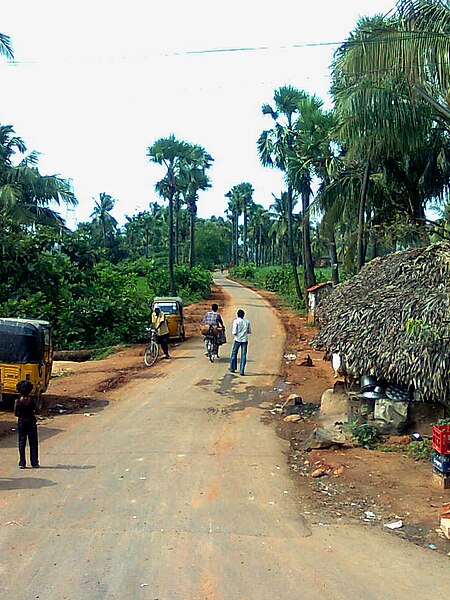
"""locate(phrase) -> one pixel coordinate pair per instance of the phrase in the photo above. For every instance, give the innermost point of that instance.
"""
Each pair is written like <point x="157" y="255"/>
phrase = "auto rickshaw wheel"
<point x="182" y="334"/>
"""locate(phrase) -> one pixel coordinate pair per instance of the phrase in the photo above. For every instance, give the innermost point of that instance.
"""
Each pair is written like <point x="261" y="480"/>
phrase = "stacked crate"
<point x="440" y="457"/>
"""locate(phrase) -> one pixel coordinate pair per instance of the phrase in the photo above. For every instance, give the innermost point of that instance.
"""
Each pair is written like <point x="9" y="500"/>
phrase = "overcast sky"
<point x="96" y="82"/>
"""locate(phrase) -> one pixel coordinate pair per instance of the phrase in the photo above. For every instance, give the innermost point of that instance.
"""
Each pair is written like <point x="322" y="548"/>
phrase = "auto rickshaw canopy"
<point x="170" y="305"/>
<point x="23" y="341"/>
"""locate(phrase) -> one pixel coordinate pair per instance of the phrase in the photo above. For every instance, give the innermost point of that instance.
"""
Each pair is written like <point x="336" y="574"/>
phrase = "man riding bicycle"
<point x="216" y="330"/>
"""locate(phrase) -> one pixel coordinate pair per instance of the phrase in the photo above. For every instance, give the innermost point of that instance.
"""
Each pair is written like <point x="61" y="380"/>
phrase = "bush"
<point x="90" y="304"/>
<point x="274" y="279"/>
<point x="191" y="284"/>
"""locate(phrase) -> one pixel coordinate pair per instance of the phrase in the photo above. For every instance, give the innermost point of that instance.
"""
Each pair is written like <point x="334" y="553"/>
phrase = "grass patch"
<point x="102" y="353"/>
<point x="62" y="373"/>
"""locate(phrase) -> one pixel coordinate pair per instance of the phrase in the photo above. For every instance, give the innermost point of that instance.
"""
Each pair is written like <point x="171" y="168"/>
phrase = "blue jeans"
<point x="234" y="353"/>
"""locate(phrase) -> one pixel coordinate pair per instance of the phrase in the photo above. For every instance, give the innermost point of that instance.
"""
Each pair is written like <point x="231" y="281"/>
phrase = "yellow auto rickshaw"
<point x="26" y="352"/>
<point x="172" y="307"/>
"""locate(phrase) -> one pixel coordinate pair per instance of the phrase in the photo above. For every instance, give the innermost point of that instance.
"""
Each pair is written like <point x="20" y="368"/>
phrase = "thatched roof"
<point x="367" y="318"/>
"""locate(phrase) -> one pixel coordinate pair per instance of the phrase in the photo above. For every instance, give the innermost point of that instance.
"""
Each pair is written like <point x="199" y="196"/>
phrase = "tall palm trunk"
<point x="233" y="257"/>
<point x="333" y="256"/>
<point x="177" y="231"/>
<point x="244" y="235"/>
<point x="309" y="276"/>
<point x="236" y="239"/>
<point x="361" y="216"/>
<point x="192" y="214"/>
<point x="173" y="290"/>
<point x="291" y="252"/>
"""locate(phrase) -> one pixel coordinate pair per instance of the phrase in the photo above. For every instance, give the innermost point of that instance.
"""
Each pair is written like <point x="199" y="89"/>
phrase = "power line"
<point x="244" y="49"/>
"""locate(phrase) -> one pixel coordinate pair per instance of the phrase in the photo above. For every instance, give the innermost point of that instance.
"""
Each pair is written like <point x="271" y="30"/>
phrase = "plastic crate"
<point x="441" y="438"/>
<point x="441" y="462"/>
<point x="441" y="479"/>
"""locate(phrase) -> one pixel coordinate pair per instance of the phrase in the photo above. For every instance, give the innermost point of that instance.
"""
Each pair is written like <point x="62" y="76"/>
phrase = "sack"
<point x="204" y="329"/>
<point x="221" y="338"/>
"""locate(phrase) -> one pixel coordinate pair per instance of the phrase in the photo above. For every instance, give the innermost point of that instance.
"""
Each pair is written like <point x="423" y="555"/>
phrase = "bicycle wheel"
<point x="210" y="350"/>
<point x="151" y="353"/>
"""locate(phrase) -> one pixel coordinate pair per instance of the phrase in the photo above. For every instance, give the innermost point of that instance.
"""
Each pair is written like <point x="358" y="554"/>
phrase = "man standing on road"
<point x="241" y="330"/>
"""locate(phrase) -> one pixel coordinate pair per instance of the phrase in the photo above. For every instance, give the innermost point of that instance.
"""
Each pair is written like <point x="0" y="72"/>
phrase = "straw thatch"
<point x="393" y="320"/>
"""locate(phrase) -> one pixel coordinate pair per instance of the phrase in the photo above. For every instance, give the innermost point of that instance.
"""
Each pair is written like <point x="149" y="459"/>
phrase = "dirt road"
<point x="179" y="490"/>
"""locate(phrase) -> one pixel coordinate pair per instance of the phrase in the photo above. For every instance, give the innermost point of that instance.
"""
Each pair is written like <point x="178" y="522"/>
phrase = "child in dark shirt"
<point x="25" y="409"/>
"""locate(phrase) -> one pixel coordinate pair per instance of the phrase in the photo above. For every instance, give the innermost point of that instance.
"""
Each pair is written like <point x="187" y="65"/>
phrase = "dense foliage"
<point x="90" y="301"/>
<point x="359" y="182"/>
<point x="274" y="279"/>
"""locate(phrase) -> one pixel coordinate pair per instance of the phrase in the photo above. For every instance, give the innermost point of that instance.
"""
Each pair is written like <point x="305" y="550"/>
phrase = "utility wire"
<point x="349" y="42"/>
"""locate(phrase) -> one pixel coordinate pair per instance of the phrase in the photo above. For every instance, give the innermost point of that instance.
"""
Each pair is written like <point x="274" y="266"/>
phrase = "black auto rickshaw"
<point x="26" y="352"/>
<point x="172" y="307"/>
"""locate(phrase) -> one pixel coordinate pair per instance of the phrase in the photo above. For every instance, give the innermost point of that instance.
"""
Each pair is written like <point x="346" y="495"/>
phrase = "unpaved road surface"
<point x="179" y="490"/>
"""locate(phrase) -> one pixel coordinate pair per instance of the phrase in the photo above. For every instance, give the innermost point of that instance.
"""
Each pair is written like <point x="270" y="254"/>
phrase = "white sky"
<point x="98" y="81"/>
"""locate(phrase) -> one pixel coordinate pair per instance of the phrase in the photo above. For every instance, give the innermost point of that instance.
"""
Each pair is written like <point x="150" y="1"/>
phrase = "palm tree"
<point x="276" y="149"/>
<point x="413" y="42"/>
<point x="102" y="218"/>
<point x="170" y="153"/>
<point x="6" y="48"/>
<point x="194" y="179"/>
<point x="242" y="194"/>
<point x="180" y="160"/>
<point x="25" y="194"/>
<point x="234" y="210"/>
<point x="278" y="211"/>
<point x="312" y="152"/>
<point x="375" y="123"/>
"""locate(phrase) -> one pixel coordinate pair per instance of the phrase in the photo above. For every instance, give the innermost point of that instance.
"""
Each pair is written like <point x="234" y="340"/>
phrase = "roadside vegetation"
<point x="366" y="177"/>
<point x="276" y="279"/>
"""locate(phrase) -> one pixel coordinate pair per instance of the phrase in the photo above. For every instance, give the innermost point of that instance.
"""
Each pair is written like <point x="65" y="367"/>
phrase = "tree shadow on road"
<point x="24" y="483"/>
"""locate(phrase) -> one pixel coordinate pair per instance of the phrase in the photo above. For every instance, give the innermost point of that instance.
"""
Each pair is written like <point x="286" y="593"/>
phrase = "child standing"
<point x="25" y="410"/>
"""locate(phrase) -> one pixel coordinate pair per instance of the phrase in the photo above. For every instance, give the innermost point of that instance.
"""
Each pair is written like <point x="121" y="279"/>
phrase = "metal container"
<point x="368" y="382"/>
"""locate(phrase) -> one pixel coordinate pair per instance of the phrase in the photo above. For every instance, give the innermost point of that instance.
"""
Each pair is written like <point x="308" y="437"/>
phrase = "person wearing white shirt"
<point x="241" y="330"/>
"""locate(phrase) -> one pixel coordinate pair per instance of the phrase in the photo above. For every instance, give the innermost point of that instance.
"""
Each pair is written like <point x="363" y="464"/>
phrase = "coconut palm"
<point x="234" y="211"/>
<point x="25" y="194"/>
<point x="242" y="194"/>
<point x="6" y="48"/>
<point x="276" y="150"/>
<point x="102" y="217"/>
<point x="376" y="123"/>
<point x="413" y="41"/>
<point x="278" y="212"/>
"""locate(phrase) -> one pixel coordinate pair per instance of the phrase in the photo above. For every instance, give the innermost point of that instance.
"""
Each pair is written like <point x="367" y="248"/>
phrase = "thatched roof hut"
<point x="392" y="320"/>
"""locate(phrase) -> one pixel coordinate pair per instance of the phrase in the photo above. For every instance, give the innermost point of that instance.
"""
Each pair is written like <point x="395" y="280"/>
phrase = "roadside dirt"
<point x="81" y="387"/>
<point x="391" y="486"/>
<point x="372" y="487"/>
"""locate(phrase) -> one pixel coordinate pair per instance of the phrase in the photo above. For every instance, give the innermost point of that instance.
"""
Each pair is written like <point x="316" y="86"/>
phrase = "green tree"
<point x="241" y="201"/>
<point x="276" y="150"/>
<point x="170" y="153"/>
<point x="6" y="48"/>
<point x="193" y="180"/>
<point x="26" y="194"/>
<point x="103" y="219"/>
<point x="234" y="212"/>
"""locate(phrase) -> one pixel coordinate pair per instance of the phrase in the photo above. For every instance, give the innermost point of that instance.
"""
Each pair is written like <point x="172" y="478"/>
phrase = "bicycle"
<point x="210" y="347"/>
<point x="151" y="352"/>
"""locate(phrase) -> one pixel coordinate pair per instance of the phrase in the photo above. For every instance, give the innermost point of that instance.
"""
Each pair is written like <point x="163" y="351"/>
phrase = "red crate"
<point x="441" y="438"/>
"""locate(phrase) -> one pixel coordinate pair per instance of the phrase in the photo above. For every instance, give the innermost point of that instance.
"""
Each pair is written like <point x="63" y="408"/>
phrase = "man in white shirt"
<point x="241" y="330"/>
